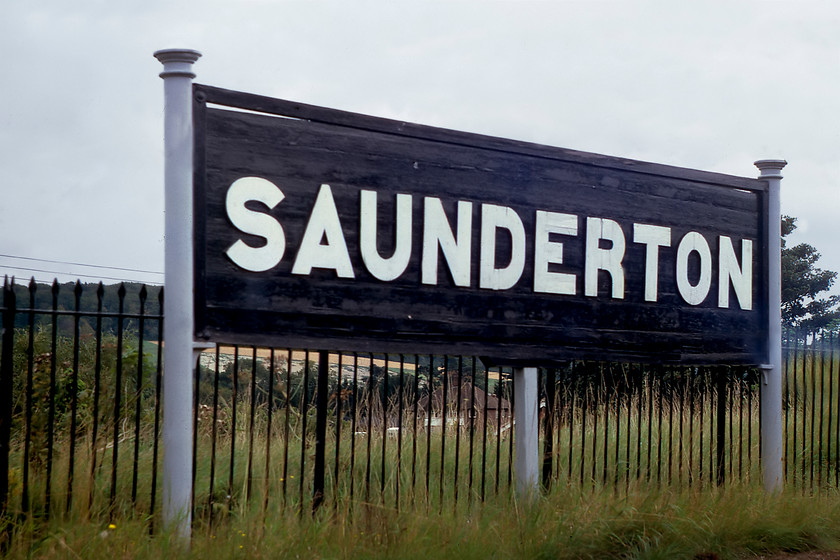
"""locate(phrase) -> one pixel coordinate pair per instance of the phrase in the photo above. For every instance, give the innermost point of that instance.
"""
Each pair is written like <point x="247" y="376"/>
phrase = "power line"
<point x="80" y="264"/>
<point x="95" y="276"/>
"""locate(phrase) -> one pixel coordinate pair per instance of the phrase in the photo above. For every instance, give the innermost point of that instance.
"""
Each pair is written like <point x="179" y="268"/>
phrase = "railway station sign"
<point x="320" y="228"/>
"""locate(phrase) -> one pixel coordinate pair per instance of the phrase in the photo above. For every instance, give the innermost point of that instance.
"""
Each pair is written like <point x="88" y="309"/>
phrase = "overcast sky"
<point x="705" y="85"/>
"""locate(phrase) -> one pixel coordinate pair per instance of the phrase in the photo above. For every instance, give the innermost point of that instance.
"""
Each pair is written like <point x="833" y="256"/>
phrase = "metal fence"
<point x="80" y="418"/>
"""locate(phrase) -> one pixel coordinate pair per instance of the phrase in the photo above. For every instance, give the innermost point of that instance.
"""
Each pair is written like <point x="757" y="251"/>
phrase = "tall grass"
<point x="648" y="457"/>
<point x="567" y="523"/>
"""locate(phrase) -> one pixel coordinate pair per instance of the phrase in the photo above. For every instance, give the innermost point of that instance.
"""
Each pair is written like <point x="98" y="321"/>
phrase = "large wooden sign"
<point x="324" y="229"/>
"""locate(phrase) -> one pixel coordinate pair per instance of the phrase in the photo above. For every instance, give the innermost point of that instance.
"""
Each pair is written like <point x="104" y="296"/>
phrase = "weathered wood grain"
<point x="352" y="153"/>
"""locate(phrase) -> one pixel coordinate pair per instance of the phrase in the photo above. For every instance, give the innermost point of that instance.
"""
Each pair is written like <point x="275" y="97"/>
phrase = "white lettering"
<point x="438" y="233"/>
<point x="493" y="218"/>
<point x="385" y="269"/>
<point x="547" y="252"/>
<point x="740" y="276"/>
<point x="694" y="294"/>
<point x="255" y="259"/>
<point x="653" y="237"/>
<point x="323" y="224"/>
<point x="604" y="259"/>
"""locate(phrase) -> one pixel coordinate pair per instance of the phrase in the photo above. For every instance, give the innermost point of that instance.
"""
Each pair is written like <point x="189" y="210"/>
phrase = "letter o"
<point x="694" y="294"/>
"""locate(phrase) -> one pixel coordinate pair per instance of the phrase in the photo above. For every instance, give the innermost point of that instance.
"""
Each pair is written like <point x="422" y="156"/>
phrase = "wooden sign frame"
<point x="326" y="229"/>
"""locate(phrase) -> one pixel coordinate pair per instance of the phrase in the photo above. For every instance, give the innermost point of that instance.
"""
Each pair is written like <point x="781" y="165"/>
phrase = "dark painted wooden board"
<point x="351" y="153"/>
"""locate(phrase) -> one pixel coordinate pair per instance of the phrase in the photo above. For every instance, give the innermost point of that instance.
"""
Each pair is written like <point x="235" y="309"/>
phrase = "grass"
<point x="737" y="523"/>
<point x="632" y="478"/>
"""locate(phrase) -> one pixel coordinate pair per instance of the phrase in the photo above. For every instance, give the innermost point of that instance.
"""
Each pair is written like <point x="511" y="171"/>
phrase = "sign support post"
<point x="526" y="432"/>
<point x="178" y="302"/>
<point x="771" y="382"/>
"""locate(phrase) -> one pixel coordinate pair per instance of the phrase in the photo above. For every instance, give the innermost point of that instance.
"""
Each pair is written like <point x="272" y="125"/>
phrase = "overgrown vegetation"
<point x="737" y="523"/>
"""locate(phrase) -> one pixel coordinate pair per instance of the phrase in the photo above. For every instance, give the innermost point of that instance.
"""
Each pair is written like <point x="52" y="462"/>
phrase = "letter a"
<point x="323" y="223"/>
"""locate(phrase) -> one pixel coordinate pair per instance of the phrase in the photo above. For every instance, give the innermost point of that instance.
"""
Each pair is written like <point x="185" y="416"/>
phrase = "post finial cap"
<point x="177" y="62"/>
<point x="770" y="168"/>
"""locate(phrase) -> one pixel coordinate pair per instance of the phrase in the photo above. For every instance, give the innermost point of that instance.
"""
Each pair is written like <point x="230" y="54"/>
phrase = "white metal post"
<point x="178" y="302"/>
<point x="771" y="383"/>
<point x="526" y="432"/>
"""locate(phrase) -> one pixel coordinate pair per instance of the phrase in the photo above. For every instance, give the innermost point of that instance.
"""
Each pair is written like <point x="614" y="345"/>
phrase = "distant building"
<point x="469" y="412"/>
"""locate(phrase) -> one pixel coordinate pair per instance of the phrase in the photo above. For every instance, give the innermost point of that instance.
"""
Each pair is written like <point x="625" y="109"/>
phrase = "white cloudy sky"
<point x="704" y="85"/>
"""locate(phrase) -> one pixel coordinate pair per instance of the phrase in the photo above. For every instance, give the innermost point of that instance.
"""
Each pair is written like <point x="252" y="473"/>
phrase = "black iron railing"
<point x="80" y="419"/>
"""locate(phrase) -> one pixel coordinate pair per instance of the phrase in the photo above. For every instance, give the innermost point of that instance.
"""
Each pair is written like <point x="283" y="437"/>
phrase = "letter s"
<point x="255" y="259"/>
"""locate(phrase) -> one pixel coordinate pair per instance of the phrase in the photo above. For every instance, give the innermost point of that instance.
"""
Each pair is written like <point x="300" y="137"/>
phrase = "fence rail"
<point x="80" y="418"/>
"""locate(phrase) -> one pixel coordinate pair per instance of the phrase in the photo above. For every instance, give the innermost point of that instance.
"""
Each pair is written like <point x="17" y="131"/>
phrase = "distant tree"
<point x="804" y="303"/>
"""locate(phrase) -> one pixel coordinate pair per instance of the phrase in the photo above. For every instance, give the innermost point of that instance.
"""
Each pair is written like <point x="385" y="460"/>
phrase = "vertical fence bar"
<point x="472" y="417"/>
<point x="74" y="393"/>
<point x="741" y="382"/>
<point x="511" y="434"/>
<point x="287" y="406"/>
<point x="584" y="412"/>
<point x="138" y="394"/>
<point x="304" y="412"/>
<point x="416" y="405"/>
<point x="384" y="426"/>
<point x="786" y="375"/>
<point x="640" y="392"/>
<point x="484" y="431"/>
<point x="660" y="393"/>
<point x="730" y="388"/>
<point x="596" y="406"/>
<point x="804" y="409"/>
<point x="749" y="424"/>
<point x="500" y="393"/>
<point x="213" y="435"/>
<point x="701" y="374"/>
<point x="157" y="405"/>
<point x="370" y="387"/>
<point x="400" y="393"/>
<point x="321" y="403"/>
<point x="831" y="373"/>
<point x="605" y="404"/>
<point x="630" y="385"/>
<point x="548" y="427"/>
<point x="445" y="386"/>
<point x="355" y="412"/>
<point x="339" y="420"/>
<point x="30" y="373"/>
<point x="195" y="410"/>
<point x="812" y="425"/>
<point x="117" y="398"/>
<point x="431" y="392"/>
<point x="6" y="387"/>
<point x="822" y="401"/>
<point x="51" y="400"/>
<point x="681" y="388"/>
<point x="268" y="431"/>
<point x="670" y="389"/>
<point x="458" y="430"/>
<point x="720" y="424"/>
<point x="97" y="384"/>
<point x="794" y="461"/>
<point x="690" y="379"/>
<point x="651" y="377"/>
<point x="573" y="393"/>
<point x="229" y="496"/>
<point x="616" y="459"/>
<point x="249" y="475"/>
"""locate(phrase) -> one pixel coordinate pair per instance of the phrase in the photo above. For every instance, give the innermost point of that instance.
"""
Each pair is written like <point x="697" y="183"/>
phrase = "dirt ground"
<point x="815" y="555"/>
